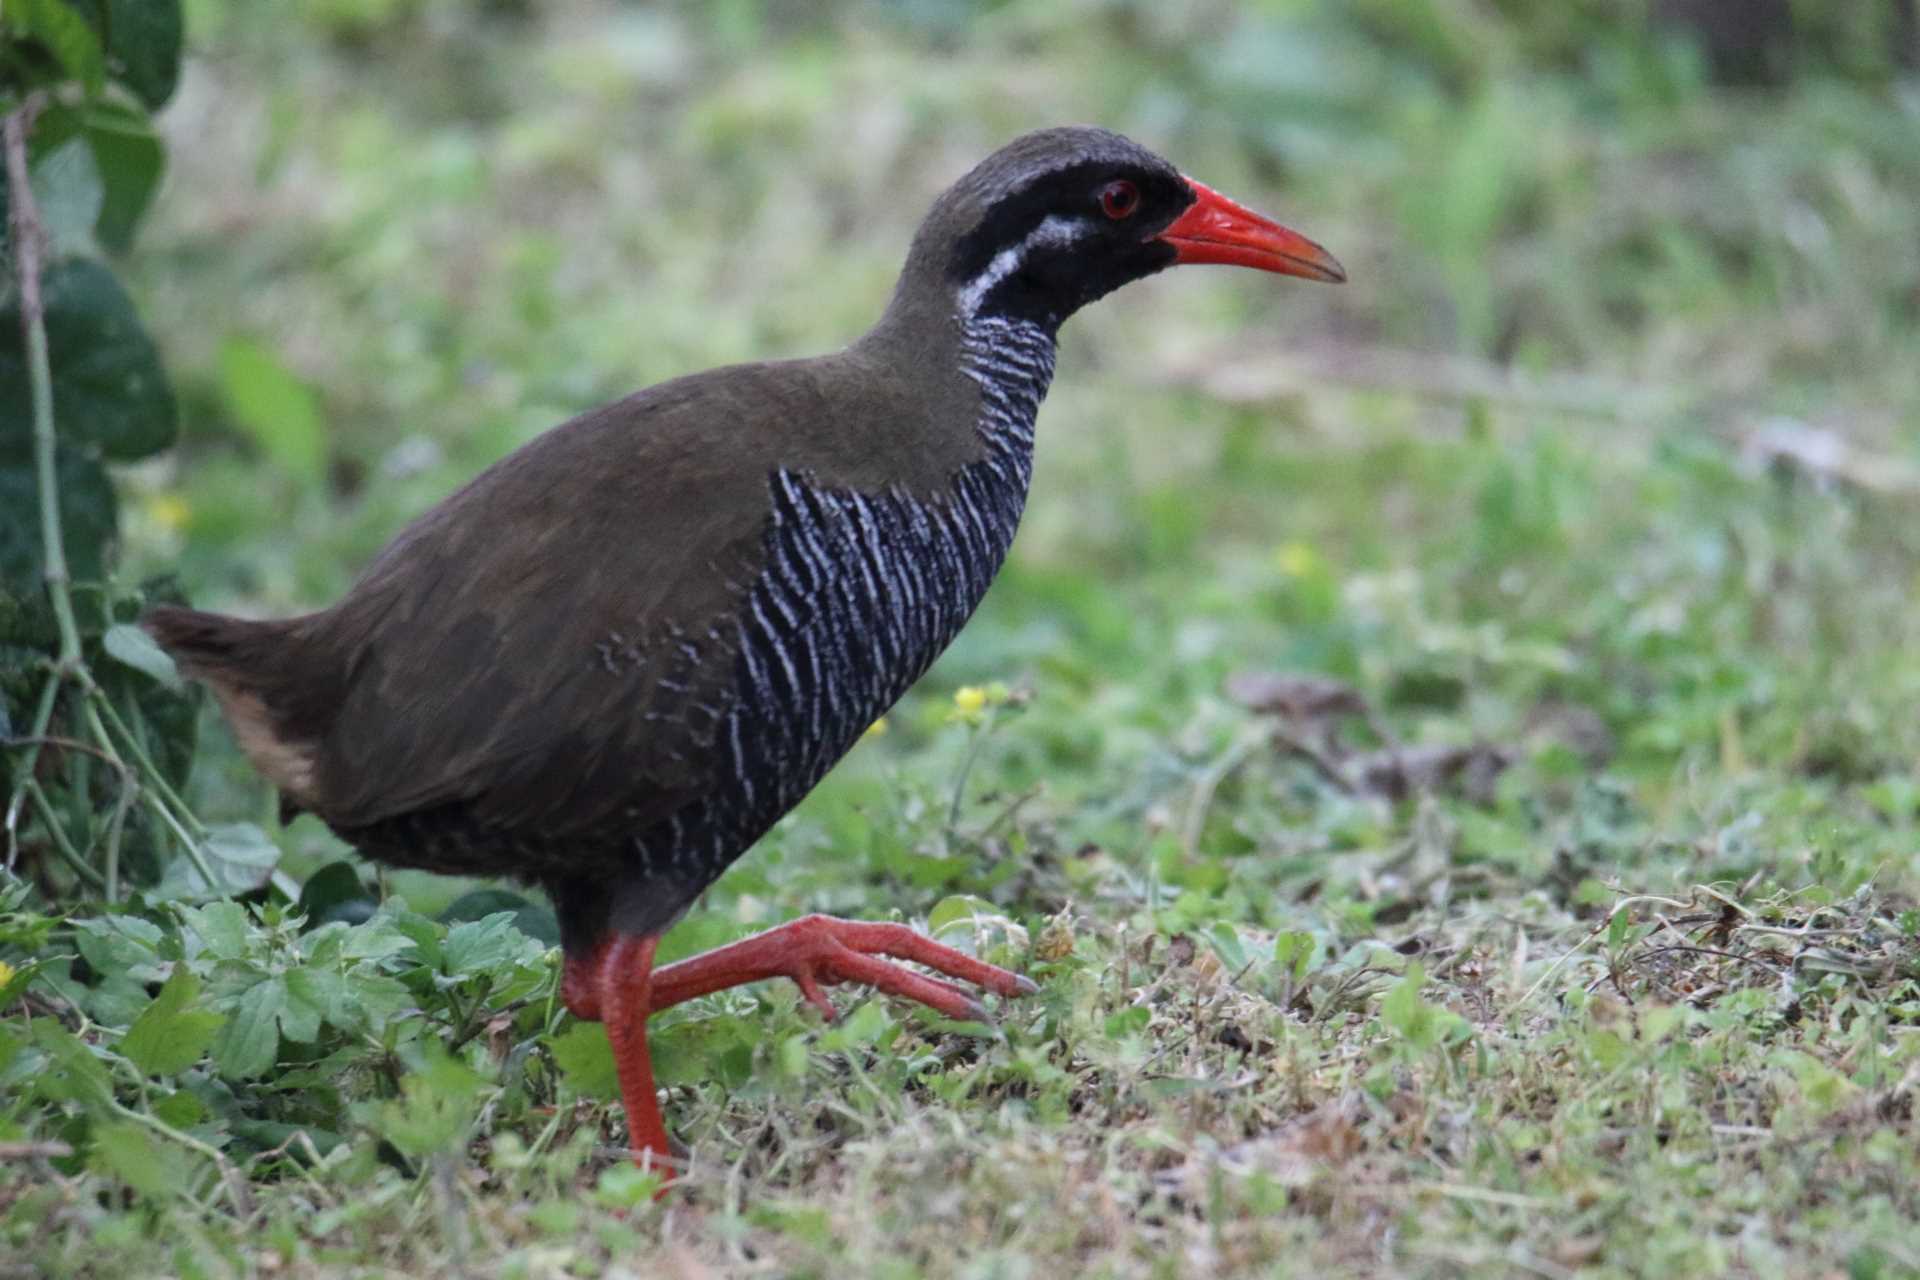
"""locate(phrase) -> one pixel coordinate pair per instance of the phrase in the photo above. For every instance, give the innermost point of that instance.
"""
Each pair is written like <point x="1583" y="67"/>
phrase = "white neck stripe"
<point x="1053" y="231"/>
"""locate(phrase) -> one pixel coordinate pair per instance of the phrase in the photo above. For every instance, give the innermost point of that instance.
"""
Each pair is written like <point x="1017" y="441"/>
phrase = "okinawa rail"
<point x="620" y="654"/>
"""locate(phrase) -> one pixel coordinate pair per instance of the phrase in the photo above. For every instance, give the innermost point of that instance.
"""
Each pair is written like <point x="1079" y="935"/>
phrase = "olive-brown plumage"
<point x="618" y="655"/>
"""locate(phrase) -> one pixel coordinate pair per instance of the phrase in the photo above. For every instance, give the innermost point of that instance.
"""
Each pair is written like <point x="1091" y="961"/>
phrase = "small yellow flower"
<point x="877" y="729"/>
<point x="170" y="511"/>
<point x="1296" y="559"/>
<point x="969" y="699"/>
<point x="6" y="973"/>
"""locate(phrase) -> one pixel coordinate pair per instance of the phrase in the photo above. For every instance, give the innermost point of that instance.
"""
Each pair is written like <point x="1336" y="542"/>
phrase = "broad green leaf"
<point x="143" y="46"/>
<point x="170" y="1035"/>
<point x="308" y="996"/>
<point x="133" y="647"/>
<point x="180" y="1109"/>
<point x="122" y="946"/>
<point x="531" y="918"/>
<point x="247" y="1045"/>
<point x="959" y="908"/>
<point x="133" y="1155"/>
<point x="89" y="514"/>
<point x="377" y="939"/>
<point x="223" y="928"/>
<point x="274" y="407"/>
<point x="373" y="1001"/>
<point x="72" y="1073"/>
<point x="585" y="1059"/>
<point x="109" y="389"/>
<point x="239" y="855"/>
<point x="66" y="35"/>
<point x="68" y="188"/>
<point x="1406" y="1013"/>
<point x="1293" y="952"/>
<point x="129" y="160"/>
<point x="126" y="160"/>
<point x="1226" y="944"/>
<point x="327" y="990"/>
<point x="483" y="945"/>
<point x="336" y="892"/>
<point x="693" y="1050"/>
<point x="242" y="843"/>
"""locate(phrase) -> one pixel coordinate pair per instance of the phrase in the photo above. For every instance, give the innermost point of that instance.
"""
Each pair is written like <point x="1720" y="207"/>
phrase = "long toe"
<point x="902" y="943"/>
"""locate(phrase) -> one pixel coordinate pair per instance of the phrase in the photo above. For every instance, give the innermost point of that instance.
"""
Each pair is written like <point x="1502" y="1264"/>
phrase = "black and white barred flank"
<point x="860" y="593"/>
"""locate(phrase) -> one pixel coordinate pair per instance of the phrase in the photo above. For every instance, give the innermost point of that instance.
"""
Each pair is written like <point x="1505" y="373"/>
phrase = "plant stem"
<point x="130" y="743"/>
<point x="980" y="732"/>
<point x="69" y="854"/>
<point x="27" y="237"/>
<point x="42" y="717"/>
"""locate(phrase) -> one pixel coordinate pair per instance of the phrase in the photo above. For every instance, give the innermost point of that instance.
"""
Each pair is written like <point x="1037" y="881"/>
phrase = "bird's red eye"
<point x="1119" y="198"/>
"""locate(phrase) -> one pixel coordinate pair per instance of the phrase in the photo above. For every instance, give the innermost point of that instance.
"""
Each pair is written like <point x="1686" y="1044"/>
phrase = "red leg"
<point x="818" y="951"/>
<point x="615" y="985"/>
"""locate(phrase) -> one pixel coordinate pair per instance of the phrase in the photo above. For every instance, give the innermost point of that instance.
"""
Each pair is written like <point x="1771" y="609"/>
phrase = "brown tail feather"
<point x="252" y="668"/>
<point x="214" y="647"/>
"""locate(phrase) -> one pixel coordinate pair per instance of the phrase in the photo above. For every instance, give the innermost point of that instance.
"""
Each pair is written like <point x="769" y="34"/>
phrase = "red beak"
<point x="1215" y="229"/>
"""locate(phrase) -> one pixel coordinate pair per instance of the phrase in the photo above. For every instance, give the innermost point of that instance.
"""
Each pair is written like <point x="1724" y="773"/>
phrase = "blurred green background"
<point x="1600" y="479"/>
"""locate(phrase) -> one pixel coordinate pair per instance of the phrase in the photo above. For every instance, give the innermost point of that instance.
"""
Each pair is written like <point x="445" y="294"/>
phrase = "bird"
<point x="614" y="659"/>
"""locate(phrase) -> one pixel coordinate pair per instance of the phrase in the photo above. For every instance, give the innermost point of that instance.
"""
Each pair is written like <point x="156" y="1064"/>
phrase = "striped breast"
<point x="860" y="592"/>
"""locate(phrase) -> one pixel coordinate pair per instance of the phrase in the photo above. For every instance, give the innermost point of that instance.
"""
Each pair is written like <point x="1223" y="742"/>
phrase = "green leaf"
<point x="1293" y="952"/>
<point x="274" y="407"/>
<point x="959" y="908"/>
<point x="123" y="946"/>
<point x="1226" y="944"/>
<point x="585" y="1059"/>
<point x="109" y="389"/>
<point x="133" y="647"/>
<point x="124" y="166"/>
<point x="1406" y="1013"/>
<point x="240" y="855"/>
<point x="72" y="1073"/>
<point x="377" y="939"/>
<point x="170" y="1035"/>
<point x="311" y="995"/>
<point x="89" y="513"/>
<point x="223" y="927"/>
<point x="696" y="1050"/>
<point x="531" y="918"/>
<point x="130" y="1153"/>
<point x="336" y="892"/>
<point x="143" y="44"/>
<point x="179" y="1110"/>
<point x="68" y="188"/>
<point x="65" y="34"/>
<point x="481" y="946"/>
<point x="247" y="1045"/>
<point x="129" y="159"/>
<point x="242" y="843"/>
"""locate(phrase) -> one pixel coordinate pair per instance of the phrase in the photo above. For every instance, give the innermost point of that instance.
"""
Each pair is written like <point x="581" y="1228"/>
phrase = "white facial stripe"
<point x="1054" y="231"/>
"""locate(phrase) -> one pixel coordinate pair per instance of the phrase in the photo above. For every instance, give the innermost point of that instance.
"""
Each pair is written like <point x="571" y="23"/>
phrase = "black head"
<point x="1059" y="218"/>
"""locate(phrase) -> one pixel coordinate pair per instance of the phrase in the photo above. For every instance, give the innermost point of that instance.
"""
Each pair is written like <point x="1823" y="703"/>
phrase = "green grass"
<point x="1643" y="1002"/>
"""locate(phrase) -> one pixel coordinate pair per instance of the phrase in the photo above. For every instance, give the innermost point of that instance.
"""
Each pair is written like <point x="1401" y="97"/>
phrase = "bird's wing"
<point x="553" y="648"/>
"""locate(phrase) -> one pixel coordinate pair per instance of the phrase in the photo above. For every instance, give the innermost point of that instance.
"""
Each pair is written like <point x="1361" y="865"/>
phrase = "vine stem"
<point x="27" y="237"/>
<point x="69" y="665"/>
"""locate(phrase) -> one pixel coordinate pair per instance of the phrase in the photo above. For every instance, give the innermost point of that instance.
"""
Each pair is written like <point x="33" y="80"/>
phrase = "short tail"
<point x="220" y="650"/>
<point x="279" y="710"/>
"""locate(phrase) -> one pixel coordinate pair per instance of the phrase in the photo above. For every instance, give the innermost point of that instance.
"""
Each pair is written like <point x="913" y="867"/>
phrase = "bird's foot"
<point x="617" y="984"/>
<point x="819" y="951"/>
